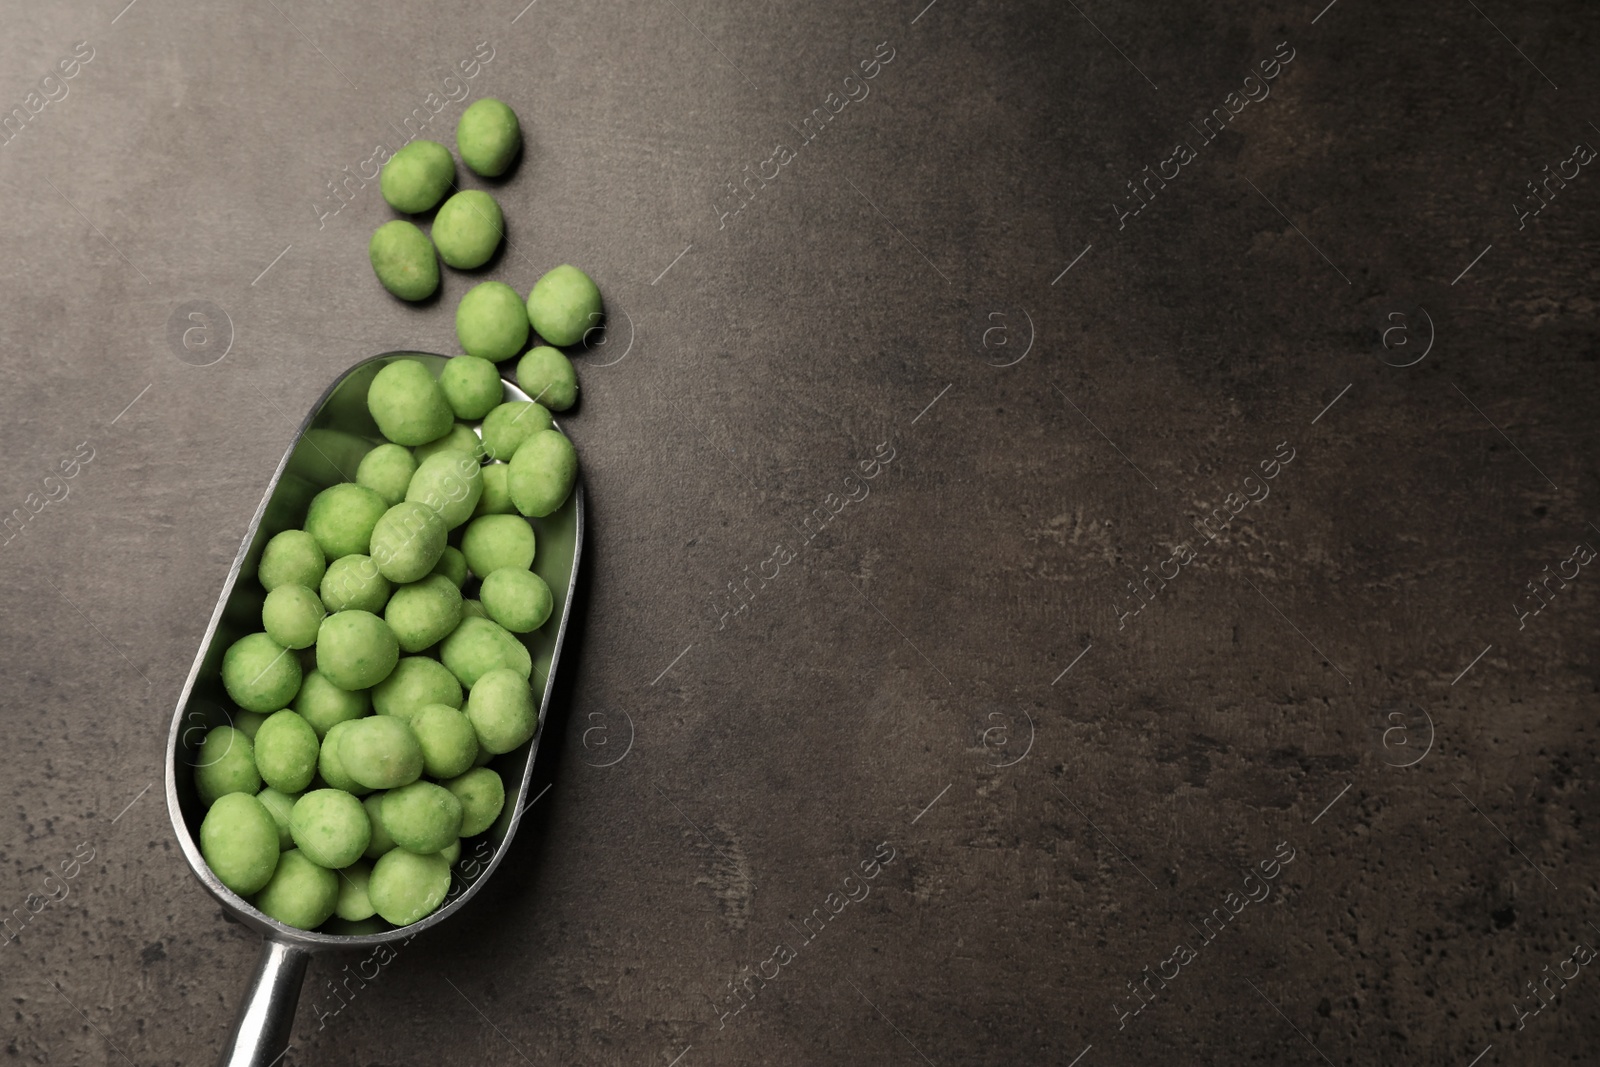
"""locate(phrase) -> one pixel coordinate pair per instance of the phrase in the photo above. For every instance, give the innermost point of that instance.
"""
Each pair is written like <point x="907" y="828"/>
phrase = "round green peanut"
<point x="417" y="177"/>
<point x="519" y="600"/>
<point x="461" y="438"/>
<point x="547" y="376"/>
<point x="422" y="817"/>
<point x="404" y="260"/>
<point x="488" y="136"/>
<point x="356" y="649"/>
<point x="387" y="470"/>
<point x="510" y="424"/>
<point x="478" y="646"/>
<point x="495" y="541"/>
<point x="424" y="612"/>
<point x="354" y="582"/>
<point x="542" y="473"/>
<point x="291" y="615"/>
<point x="239" y="841"/>
<point x="331" y="767"/>
<point x="472" y="385"/>
<point x="496" y="498"/>
<point x="381" y="841"/>
<point x="323" y="704"/>
<point x="407" y="541"/>
<point x="563" y="305"/>
<point x="293" y="557"/>
<point x="500" y="706"/>
<point x="482" y="795"/>
<point x="330" y="827"/>
<point x="341" y="518"/>
<point x="406" y="887"/>
<point x="380" y="752"/>
<point x="452" y="564"/>
<point x="408" y="405"/>
<point x="449" y="483"/>
<point x="354" y="903"/>
<point x="415" y="682"/>
<point x="491" y="322"/>
<point x="468" y="229"/>
<point x="279" y="805"/>
<point x="449" y="743"/>
<point x="260" y="674"/>
<point x="286" y="752"/>
<point x="300" y="894"/>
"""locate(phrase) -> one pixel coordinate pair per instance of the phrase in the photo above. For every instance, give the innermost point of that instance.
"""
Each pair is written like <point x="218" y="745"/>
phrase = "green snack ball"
<point x="516" y="599"/>
<point x="495" y="541"/>
<point x="510" y="424"/>
<point x="291" y="615"/>
<point x="479" y="646"/>
<point x="260" y="674"/>
<point x="356" y="649"/>
<point x="452" y="564"/>
<point x="408" y="541"/>
<point x="500" y="706"/>
<point x="354" y="904"/>
<point x="449" y="483"/>
<point x="331" y="767"/>
<point x="460" y="439"/>
<point x="248" y="722"/>
<point x="473" y="609"/>
<point x="468" y="229"/>
<point x="354" y="582"/>
<point x="323" y="704"/>
<point x="449" y="743"/>
<point x="496" y="498"/>
<point x="239" y="841"/>
<point x="423" y="613"/>
<point x="542" y="473"/>
<point x="488" y="137"/>
<point x="482" y="795"/>
<point x="279" y="805"/>
<point x="293" y="557"/>
<point x="330" y="827"/>
<point x="406" y="887"/>
<point x="341" y="518"/>
<point x="300" y="894"/>
<point x="380" y="752"/>
<point x="451" y="852"/>
<point x="422" y="817"/>
<point x="416" y="178"/>
<point x="416" y="681"/>
<point x="404" y="260"/>
<point x="408" y="405"/>
<point x="491" y="322"/>
<point x="472" y="385"/>
<point x="547" y="376"/>
<point x="381" y="841"/>
<point x="387" y="470"/>
<point x="286" y="752"/>
<point x="564" y="305"/>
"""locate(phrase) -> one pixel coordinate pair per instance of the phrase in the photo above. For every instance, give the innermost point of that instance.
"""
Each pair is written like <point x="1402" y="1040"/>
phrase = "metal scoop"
<point x="331" y="441"/>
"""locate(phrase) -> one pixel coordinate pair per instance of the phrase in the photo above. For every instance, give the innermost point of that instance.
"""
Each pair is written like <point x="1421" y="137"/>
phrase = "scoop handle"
<point x="260" y="1034"/>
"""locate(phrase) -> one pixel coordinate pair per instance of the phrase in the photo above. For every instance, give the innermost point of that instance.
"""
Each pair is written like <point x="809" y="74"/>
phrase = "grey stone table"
<point x="1090" y="508"/>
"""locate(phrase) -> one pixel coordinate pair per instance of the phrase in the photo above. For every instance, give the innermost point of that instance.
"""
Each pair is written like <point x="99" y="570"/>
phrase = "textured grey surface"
<point x="901" y="678"/>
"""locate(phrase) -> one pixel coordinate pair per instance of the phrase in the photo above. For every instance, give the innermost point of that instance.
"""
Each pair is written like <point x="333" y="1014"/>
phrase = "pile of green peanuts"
<point x="378" y="687"/>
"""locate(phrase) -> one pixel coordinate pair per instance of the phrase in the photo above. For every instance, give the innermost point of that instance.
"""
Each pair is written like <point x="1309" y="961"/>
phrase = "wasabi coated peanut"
<point x="291" y="615"/>
<point x="239" y="841"/>
<point x="356" y="649"/>
<point x="293" y="557"/>
<point x="226" y="763"/>
<point x="279" y="805"/>
<point x="415" y="682"/>
<point x="547" y="376"/>
<point x="380" y="752"/>
<point x="322" y="704"/>
<point x="248" y="722"/>
<point x="300" y="894"/>
<point x="260" y="674"/>
<point x="407" y="541"/>
<point x="387" y="470"/>
<point x="459" y="439"/>
<point x="519" y="600"/>
<point x="510" y="424"/>
<point x="408" y="405"/>
<point x="406" y="887"/>
<point x="482" y="795"/>
<point x="332" y="768"/>
<point x="404" y="260"/>
<point x="495" y="541"/>
<point x="501" y="708"/>
<point x="422" y="817"/>
<point x="496" y="498"/>
<point x="354" y="582"/>
<point x="286" y="752"/>
<point x="452" y="564"/>
<point x="472" y="385"/>
<point x="341" y="518"/>
<point x="488" y="136"/>
<point x="563" y="305"/>
<point x="449" y="483"/>
<point x="542" y="473"/>
<point x="468" y="228"/>
<point x="478" y="646"/>
<point x="353" y="903"/>
<point x="423" y="613"/>
<point x="381" y="841"/>
<point x="449" y="742"/>
<point x="330" y="827"/>
<point x="416" y="178"/>
<point x="491" y="322"/>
